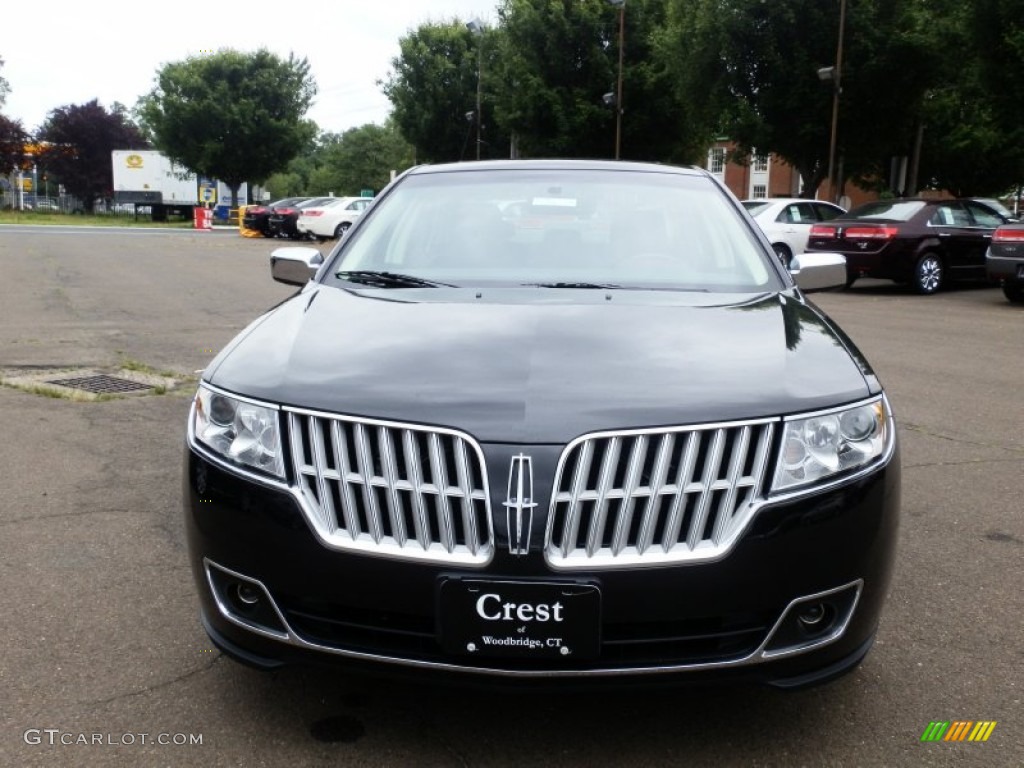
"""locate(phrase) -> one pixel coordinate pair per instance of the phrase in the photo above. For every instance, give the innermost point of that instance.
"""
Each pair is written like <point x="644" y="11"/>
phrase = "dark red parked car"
<point x="925" y="243"/>
<point x="257" y="217"/>
<point x="283" y="218"/>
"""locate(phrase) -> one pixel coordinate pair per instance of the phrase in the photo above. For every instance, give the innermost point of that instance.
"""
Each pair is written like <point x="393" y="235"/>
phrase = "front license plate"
<point x="535" y="620"/>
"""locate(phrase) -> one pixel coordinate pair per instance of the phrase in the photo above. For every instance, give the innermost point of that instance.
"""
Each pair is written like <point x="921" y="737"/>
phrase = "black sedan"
<point x="1005" y="261"/>
<point x="543" y="420"/>
<point x="925" y="243"/>
<point x="257" y="217"/>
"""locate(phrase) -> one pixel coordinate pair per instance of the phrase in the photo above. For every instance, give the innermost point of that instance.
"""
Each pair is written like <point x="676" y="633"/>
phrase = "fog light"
<point x="813" y="616"/>
<point x="247" y="593"/>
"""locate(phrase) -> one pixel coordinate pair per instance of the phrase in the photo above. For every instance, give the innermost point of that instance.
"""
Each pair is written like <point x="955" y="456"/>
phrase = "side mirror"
<point x="295" y="266"/>
<point x="818" y="271"/>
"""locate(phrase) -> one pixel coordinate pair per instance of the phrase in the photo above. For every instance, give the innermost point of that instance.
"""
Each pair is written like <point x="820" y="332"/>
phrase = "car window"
<point x="755" y="207"/>
<point x="950" y="215"/>
<point x="826" y="212"/>
<point x="532" y="226"/>
<point x="984" y="216"/>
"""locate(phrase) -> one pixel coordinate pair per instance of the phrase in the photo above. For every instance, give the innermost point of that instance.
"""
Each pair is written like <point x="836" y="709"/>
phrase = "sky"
<point x="70" y="52"/>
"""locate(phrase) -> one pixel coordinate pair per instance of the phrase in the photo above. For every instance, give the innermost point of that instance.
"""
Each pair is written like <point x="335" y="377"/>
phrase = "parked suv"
<point x="1004" y="261"/>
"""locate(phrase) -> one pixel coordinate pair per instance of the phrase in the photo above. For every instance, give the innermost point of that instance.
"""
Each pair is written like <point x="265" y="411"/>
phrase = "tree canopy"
<point x="744" y="69"/>
<point x="231" y="115"/>
<point x="79" y="140"/>
<point x="432" y="89"/>
<point x="361" y="158"/>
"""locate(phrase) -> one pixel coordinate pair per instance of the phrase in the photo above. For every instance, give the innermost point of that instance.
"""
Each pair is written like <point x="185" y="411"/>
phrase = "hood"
<point x="517" y="370"/>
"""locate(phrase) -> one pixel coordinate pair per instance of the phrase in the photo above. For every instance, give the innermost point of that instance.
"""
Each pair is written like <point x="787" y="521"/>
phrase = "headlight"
<point x="242" y="432"/>
<point x="823" y="444"/>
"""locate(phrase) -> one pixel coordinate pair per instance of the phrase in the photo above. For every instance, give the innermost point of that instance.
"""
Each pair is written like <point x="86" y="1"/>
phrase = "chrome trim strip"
<point x="288" y="637"/>
<point x="818" y="643"/>
<point x="758" y="656"/>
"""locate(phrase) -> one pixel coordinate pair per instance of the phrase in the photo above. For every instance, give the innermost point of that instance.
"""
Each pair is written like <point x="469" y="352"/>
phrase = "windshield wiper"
<point x="388" y="279"/>
<point x="597" y="286"/>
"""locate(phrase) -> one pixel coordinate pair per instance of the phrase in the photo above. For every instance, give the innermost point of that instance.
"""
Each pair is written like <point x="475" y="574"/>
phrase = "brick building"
<point x="769" y="176"/>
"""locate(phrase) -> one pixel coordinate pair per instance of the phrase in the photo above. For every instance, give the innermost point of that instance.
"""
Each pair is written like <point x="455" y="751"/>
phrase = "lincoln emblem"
<point x="519" y="505"/>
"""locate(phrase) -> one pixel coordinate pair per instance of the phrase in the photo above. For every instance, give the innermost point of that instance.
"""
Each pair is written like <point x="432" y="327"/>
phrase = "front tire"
<point x="929" y="274"/>
<point x="1013" y="291"/>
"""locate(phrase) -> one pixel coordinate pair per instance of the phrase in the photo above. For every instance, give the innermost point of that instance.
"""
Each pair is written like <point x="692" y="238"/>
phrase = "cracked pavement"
<point x="101" y="632"/>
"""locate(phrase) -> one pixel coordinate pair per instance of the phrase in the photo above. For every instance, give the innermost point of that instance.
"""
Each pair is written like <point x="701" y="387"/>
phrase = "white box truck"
<point x="148" y="178"/>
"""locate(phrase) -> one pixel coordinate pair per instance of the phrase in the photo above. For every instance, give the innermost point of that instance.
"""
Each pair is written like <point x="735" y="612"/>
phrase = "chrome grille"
<point x="397" y="490"/>
<point x="647" y="497"/>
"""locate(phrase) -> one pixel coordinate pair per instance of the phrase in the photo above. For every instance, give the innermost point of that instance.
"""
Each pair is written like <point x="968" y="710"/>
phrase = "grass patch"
<point x="8" y="216"/>
<point x="131" y="364"/>
<point x="58" y="393"/>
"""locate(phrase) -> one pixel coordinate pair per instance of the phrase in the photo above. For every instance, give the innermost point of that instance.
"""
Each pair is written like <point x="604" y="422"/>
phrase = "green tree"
<point x="12" y="142"/>
<point x="79" y="141"/>
<point x="12" y="134"/>
<point x="432" y="89"/>
<point x="558" y="59"/>
<point x="231" y="115"/>
<point x="360" y="158"/>
<point x="990" y="131"/>
<point x="758" y="63"/>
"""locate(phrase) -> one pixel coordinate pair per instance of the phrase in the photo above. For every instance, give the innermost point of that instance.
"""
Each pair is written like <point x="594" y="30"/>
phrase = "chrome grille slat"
<point x="414" y="470"/>
<point x="685" y="483"/>
<point x="657" y="487"/>
<point x="681" y="494"/>
<point x="440" y="475"/>
<point x="391" y="486"/>
<point x="578" y="485"/>
<point x="390" y="489"/>
<point x="609" y="464"/>
<point x="364" y="462"/>
<point x="696" y="533"/>
<point x="344" y="467"/>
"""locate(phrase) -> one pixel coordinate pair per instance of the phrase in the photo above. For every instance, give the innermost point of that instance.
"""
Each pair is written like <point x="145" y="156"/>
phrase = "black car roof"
<point x="558" y="164"/>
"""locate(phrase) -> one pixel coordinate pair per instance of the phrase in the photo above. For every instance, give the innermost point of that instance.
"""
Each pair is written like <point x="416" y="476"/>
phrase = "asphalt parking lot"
<point x="103" y="648"/>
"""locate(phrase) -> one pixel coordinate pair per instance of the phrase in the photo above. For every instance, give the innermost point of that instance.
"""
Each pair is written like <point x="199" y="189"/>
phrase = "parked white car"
<point x="331" y="219"/>
<point x="787" y="221"/>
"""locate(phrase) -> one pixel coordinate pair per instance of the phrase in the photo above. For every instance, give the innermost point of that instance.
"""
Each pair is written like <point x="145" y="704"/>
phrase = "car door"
<point x="952" y="224"/>
<point x="984" y="221"/>
<point x="793" y="226"/>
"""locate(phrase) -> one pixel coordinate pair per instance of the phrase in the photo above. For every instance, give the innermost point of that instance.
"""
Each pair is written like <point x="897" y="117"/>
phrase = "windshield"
<point x="560" y="228"/>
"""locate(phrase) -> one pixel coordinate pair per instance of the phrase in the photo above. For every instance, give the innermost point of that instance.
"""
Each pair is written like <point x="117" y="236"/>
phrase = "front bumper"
<point x="726" y="619"/>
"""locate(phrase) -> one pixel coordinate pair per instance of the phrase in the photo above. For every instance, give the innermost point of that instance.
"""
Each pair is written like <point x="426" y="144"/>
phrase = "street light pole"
<point x="837" y="79"/>
<point x="621" y="4"/>
<point x="476" y="27"/>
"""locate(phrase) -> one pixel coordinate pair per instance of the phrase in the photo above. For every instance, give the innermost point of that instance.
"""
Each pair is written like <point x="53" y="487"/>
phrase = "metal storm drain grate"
<point x="101" y="384"/>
